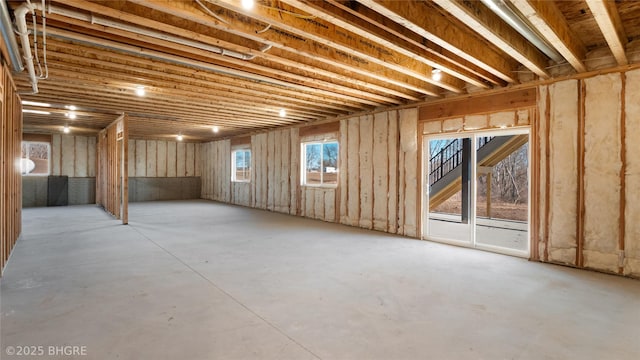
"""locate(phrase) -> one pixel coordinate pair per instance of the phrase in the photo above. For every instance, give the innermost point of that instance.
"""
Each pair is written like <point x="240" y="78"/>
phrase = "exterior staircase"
<point x="445" y="176"/>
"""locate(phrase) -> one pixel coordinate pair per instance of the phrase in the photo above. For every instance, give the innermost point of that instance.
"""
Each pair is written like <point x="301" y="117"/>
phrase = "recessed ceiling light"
<point x="71" y="107"/>
<point x="71" y="115"/>
<point x="215" y="129"/>
<point x="36" y="112"/>
<point x="436" y="74"/>
<point x="140" y="91"/>
<point x="66" y="129"/>
<point x="283" y="112"/>
<point x="179" y="137"/>
<point x="247" y="4"/>
<point x="34" y="103"/>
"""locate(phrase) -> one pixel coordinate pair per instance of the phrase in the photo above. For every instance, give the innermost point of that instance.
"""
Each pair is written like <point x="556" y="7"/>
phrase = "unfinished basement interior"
<point x="320" y="179"/>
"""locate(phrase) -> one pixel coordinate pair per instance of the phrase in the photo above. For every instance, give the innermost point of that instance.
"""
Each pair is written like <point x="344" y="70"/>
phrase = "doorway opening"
<point x="477" y="190"/>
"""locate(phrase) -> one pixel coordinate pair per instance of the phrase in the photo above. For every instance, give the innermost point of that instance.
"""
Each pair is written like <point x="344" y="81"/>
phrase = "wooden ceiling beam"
<point x="318" y="51"/>
<point x="423" y="19"/>
<point x="214" y="87"/>
<point x="481" y="19"/>
<point x="550" y="23"/>
<point x="270" y="70"/>
<point x="418" y="43"/>
<point x="208" y="40"/>
<point x="606" y="14"/>
<point x="290" y="20"/>
<point x="344" y="19"/>
<point x="154" y="54"/>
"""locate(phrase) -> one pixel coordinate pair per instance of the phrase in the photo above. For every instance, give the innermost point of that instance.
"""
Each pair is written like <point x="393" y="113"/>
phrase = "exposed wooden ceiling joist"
<point x="549" y="21"/>
<point x="482" y="20"/>
<point x="608" y="19"/>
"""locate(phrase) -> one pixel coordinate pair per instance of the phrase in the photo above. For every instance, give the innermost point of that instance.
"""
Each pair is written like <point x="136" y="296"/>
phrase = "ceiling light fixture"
<point x="436" y="74"/>
<point x="35" y="103"/>
<point x="36" y="112"/>
<point x="71" y="107"/>
<point x="140" y="91"/>
<point x="247" y="4"/>
<point x="71" y="115"/>
<point x="66" y="129"/>
<point x="215" y="129"/>
<point x="283" y="112"/>
<point x="179" y="137"/>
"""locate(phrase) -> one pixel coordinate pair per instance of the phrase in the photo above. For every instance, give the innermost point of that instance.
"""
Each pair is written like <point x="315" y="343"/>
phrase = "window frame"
<point x="303" y="166"/>
<point x="233" y="165"/>
<point x="28" y="143"/>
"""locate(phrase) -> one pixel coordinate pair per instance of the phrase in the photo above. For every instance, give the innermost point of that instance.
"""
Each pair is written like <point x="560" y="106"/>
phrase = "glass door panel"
<point x="449" y="189"/>
<point x="502" y="192"/>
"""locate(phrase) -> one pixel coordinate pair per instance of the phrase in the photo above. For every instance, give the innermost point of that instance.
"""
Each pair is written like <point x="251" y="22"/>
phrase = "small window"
<point x="35" y="158"/>
<point x="241" y="166"/>
<point x="320" y="163"/>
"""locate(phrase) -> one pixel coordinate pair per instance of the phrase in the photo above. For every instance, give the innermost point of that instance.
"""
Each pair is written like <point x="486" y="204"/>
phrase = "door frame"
<point x="472" y="243"/>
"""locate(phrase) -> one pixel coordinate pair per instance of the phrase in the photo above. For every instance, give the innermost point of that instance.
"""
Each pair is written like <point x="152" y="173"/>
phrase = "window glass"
<point x="241" y="170"/>
<point x="320" y="163"/>
<point x="35" y="158"/>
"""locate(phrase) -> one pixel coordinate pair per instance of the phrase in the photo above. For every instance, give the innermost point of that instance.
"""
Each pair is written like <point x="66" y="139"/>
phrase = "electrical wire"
<point x="208" y="11"/>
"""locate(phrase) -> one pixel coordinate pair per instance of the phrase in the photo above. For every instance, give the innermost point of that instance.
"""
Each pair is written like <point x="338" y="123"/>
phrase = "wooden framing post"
<point x="112" y="177"/>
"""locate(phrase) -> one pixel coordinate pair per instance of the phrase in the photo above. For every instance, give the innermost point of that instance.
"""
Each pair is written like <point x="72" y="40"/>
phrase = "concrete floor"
<point x="202" y="280"/>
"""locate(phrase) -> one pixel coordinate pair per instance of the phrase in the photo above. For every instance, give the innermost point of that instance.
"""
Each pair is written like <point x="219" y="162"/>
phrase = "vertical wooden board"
<point x="68" y="155"/>
<point x="141" y="158"/>
<point x="318" y="203"/>
<point x="285" y="167"/>
<point x="303" y="202"/>
<point x="91" y="156"/>
<point x="563" y="191"/>
<point x="310" y="202"/>
<point x="81" y="156"/>
<point x="392" y="206"/>
<point x="181" y="159"/>
<point x="294" y="181"/>
<point x="227" y="169"/>
<point x="161" y="158"/>
<point x="256" y="145"/>
<point x="366" y="171"/>
<point x="198" y="160"/>
<point x="409" y="144"/>
<point x="254" y="167"/>
<point x="191" y="159"/>
<point x="542" y="129"/>
<point x="276" y="188"/>
<point x="264" y="184"/>
<point x="172" y="158"/>
<point x="206" y="170"/>
<point x="602" y="163"/>
<point x="56" y="154"/>
<point x="353" y="172"/>
<point x="632" y="174"/>
<point x="132" y="158"/>
<point x="217" y="187"/>
<point x="330" y="205"/>
<point x="270" y="170"/>
<point x="152" y="158"/>
<point x="380" y="171"/>
<point x="342" y="171"/>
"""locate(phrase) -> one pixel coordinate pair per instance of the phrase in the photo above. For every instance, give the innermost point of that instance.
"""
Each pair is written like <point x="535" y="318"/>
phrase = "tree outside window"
<point x="241" y="166"/>
<point x="320" y="165"/>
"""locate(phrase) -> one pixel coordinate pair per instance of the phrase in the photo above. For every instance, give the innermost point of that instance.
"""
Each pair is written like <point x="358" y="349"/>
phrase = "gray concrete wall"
<point x="34" y="191"/>
<point x="81" y="191"/>
<point x="165" y="188"/>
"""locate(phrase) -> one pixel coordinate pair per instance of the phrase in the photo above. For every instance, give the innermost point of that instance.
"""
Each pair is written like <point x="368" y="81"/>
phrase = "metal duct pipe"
<point x="500" y="8"/>
<point x="9" y="38"/>
<point x="151" y="33"/>
<point x="23" y="32"/>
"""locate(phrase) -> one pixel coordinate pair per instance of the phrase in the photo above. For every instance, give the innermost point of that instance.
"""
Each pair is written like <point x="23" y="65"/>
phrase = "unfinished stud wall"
<point x="10" y="153"/>
<point x="384" y="146"/>
<point x="589" y="196"/>
<point x="73" y="156"/>
<point x="112" y="179"/>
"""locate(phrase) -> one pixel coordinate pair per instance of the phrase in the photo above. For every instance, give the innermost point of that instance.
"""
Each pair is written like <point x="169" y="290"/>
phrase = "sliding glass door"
<point x="477" y="191"/>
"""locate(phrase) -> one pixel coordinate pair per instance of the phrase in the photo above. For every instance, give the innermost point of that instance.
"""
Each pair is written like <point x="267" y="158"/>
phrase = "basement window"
<point x="241" y="165"/>
<point x="35" y="158"/>
<point x="320" y="163"/>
